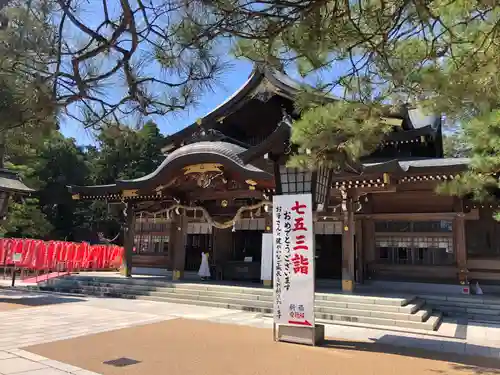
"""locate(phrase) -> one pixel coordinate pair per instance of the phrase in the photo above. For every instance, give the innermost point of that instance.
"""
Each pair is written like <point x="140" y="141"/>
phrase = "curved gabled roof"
<point x="235" y="101"/>
<point x="227" y="154"/>
<point x="415" y="119"/>
<point x="194" y="153"/>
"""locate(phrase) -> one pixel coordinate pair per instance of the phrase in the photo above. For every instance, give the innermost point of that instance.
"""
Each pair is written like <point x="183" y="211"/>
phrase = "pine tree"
<point x="440" y="55"/>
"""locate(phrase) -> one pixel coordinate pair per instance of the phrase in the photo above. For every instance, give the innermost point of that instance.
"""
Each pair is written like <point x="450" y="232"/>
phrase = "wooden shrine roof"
<point x="223" y="155"/>
<point x="265" y="82"/>
<point x="10" y="182"/>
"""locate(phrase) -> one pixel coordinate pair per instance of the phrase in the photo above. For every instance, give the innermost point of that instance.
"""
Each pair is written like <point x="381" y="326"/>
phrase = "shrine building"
<point x="379" y="220"/>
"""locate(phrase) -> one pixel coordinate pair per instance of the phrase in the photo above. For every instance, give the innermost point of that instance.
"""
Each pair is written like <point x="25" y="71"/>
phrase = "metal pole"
<point x="13" y="276"/>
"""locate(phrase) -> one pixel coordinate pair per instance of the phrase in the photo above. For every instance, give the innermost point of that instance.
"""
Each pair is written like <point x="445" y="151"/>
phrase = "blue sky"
<point x="230" y="82"/>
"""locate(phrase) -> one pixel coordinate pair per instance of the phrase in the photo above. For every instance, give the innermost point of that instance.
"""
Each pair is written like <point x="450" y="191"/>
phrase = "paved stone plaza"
<point x="35" y="323"/>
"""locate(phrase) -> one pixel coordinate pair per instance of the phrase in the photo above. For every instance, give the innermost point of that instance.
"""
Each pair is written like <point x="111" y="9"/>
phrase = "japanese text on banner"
<point x="293" y="259"/>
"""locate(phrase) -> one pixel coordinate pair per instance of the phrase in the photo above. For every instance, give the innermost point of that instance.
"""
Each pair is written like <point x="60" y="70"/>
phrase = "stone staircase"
<point x="403" y="312"/>
<point x="473" y="307"/>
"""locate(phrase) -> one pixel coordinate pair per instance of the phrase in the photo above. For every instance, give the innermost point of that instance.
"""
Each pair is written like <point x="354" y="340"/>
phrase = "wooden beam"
<point x="216" y="195"/>
<point x="473" y="215"/>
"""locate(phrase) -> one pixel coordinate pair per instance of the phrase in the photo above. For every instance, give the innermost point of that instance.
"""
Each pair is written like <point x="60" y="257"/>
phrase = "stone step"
<point x="463" y="310"/>
<point x="472" y="307"/>
<point x="419" y="316"/>
<point x="223" y="305"/>
<point x="468" y="304"/>
<point x="471" y="304"/>
<point x="234" y="300"/>
<point x="185" y="294"/>
<point x="366" y="299"/>
<point x="332" y="307"/>
<point x="244" y="300"/>
<point x="410" y="308"/>
<point x="166" y="283"/>
<point x="463" y="304"/>
<point x="484" y="317"/>
<point x="209" y="289"/>
<point x="431" y="324"/>
<point x="370" y="310"/>
<point x="467" y="299"/>
<point x="322" y="299"/>
<point x="148" y="283"/>
<point x="145" y="288"/>
<point x="83" y="284"/>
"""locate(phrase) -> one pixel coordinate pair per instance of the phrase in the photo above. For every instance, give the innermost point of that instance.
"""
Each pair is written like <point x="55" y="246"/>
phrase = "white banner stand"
<point x="293" y="271"/>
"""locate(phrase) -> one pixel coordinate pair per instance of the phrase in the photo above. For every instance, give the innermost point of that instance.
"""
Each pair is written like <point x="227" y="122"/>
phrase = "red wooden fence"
<point x="41" y="255"/>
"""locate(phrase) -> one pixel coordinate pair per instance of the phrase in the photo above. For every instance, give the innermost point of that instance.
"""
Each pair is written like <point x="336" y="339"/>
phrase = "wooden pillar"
<point x="128" y="240"/>
<point x="460" y="247"/>
<point x="360" y="256"/>
<point x="268" y="229"/>
<point x="348" y="255"/>
<point x="178" y="246"/>
<point x="368" y="245"/>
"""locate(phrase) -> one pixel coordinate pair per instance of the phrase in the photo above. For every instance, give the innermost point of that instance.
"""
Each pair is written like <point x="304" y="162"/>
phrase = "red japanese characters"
<point x="300" y="262"/>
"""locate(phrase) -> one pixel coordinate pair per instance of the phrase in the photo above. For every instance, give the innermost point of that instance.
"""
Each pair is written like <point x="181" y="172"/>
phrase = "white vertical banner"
<point x="293" y="253"/>
<point x="266" y="259"/>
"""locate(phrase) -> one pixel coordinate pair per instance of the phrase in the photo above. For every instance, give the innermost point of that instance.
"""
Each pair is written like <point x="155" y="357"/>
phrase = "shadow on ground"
<point x="26" y="299"/>
<point x="461" y="355"/>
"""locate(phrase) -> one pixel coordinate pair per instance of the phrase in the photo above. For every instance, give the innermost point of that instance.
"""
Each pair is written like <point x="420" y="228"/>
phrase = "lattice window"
<point x="142" y="243"/>
<point x="145" y="243"/>
<point x="322" y="185"/>
<point x="400" y="226"/>
<point x="295" y="181"/>
<point x="426" y="250"/>
<point x="151" y="224"/>
<point x="160" y="244"/>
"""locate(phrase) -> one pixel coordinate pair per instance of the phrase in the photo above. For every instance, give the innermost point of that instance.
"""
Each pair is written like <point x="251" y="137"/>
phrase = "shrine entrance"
<point x="195" y="245"/>
<point x="328" y="256"/>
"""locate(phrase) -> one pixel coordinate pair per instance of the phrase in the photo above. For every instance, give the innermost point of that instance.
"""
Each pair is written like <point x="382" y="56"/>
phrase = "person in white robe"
<point x="204" y="271"/>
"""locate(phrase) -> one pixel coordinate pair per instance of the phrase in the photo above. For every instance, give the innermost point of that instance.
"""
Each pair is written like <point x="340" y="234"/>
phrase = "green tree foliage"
<point x="25" y="218"/>
<point x="440" y="55"/>
<point x="455" y="145"/>
<point x="26" y="47"/>
<point x="121" y="153"/>
<point x="126" y="153"/>
<point x="52" y="162"/>
<point x="60" y="162"/>
<point x="336" y="134"/>
<point x="124" y="47"/>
